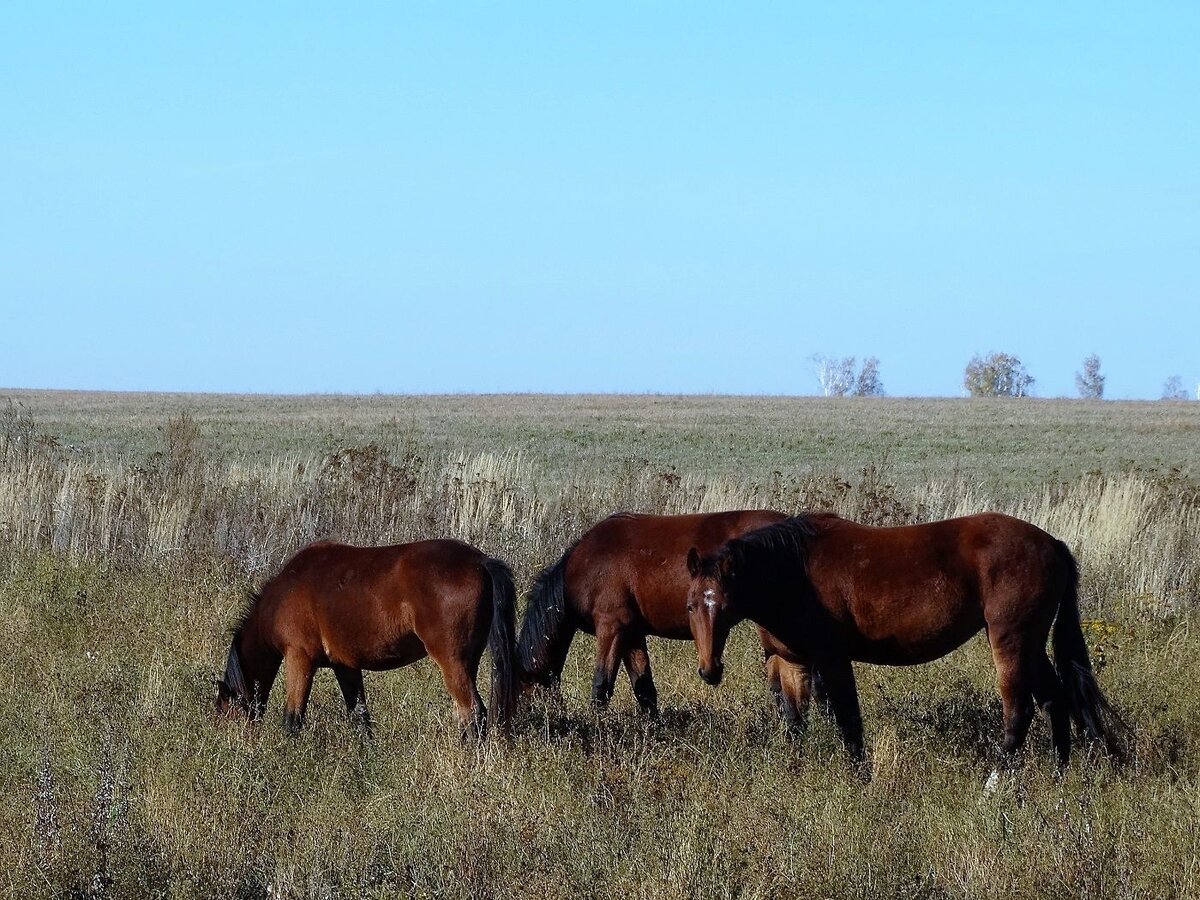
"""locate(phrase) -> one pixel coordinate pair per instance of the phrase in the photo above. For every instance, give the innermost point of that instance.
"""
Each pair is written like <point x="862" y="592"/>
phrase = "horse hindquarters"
<point x="1019" y="617"/>
<point x="458" y="661"/>
<point x="468" y="622"/>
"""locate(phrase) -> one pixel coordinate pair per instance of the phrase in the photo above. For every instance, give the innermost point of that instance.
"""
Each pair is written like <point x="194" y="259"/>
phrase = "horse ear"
<point x="725" y="567"/>
<point x="693" y="562"/>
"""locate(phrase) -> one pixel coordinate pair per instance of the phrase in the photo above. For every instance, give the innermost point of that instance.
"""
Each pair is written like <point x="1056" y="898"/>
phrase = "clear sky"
<point x="646" y="197"/>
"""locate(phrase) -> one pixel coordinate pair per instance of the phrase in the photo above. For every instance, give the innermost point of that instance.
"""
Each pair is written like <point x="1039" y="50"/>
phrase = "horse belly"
<point x="372" y="649"/>
<point x="665" y="622"/>
<point x="396" y="653"/>
<point x="915" y="633"/>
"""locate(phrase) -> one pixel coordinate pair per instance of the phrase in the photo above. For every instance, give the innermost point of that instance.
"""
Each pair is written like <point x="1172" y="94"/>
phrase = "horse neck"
<point x="779" y="599"/>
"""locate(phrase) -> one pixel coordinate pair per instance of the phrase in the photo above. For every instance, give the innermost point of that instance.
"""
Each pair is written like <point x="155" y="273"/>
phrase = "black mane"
<point x="547" y="622"/>
<point x="251" y="601"/>
<point x="233" y="679"/>
<point x="769" y="554"/>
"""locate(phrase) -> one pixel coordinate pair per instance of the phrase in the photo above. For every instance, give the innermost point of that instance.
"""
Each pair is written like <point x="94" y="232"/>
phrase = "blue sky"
<point x="646" y="197"/>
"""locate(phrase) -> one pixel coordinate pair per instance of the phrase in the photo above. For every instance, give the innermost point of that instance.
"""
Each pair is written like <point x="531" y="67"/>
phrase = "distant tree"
<point x="868" y="383"/>
<point x="997" y="375"/>
<point x="1173" y="389"/>
<point x="1089" y="382"/>
<point x="835" y="375"/>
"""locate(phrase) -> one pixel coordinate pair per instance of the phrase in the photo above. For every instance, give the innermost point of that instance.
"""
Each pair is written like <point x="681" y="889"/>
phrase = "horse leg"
<point x="608" y="657"/>
<point x="459" y="678"/>
<point x="770" y="648"/>
<point x="820" y="696"/>
<point x="351" y="682"/>
<point x="298" y="679"/>
<point x="637" y="665"/>
<point x="792" y="685"/>
<point x="261" y="689"/>
<point x="1015" y="673"/>
<point x="774" y="682"/>
<point x="1051" y="697"/>
<point x="842" y="693"/>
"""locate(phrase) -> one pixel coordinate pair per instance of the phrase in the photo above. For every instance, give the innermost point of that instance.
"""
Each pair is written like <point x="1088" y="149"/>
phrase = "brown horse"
<point x="354" y="608"/>
<point x="833" y="591"/>
<point x="625" y="580"/>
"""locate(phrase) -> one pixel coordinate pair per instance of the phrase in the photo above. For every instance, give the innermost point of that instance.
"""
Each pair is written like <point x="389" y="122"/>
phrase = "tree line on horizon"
<point x="995" y="374"/>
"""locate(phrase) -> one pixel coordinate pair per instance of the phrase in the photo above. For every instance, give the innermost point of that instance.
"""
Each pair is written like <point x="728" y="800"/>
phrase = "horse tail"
<point x="1089" y="708"/>
<point x="548" y="627"/>
<point x="501" y="644"/>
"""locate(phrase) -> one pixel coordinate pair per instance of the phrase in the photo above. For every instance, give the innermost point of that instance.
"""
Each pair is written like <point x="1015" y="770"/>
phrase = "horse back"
<point x="982" y="546"/>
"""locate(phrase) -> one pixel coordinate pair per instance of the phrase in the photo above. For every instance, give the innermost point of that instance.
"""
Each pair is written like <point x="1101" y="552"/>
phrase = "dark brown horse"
<point x="354" y="608"/>
<point x="625" y="580"/>
<point x="833" y="591"/>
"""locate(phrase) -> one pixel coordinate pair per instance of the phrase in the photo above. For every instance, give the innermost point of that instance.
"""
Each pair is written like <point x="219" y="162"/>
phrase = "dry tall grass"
<point x="1136" y="536"/>
<point x="118" y="577"/>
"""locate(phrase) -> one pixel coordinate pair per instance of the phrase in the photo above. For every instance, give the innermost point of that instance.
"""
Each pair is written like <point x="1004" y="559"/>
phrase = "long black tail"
<point x="502" y="645"/>
<point x="1090" y="709"/>
<point x="548" y="627"/>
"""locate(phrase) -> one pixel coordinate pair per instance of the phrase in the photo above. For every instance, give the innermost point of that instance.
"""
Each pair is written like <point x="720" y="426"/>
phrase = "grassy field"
<point x="131" y="527"/>
<point x="1005" y="445"/>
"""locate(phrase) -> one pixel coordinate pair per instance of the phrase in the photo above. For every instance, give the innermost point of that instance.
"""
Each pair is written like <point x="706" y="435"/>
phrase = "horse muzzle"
<point x="712" y="675"/>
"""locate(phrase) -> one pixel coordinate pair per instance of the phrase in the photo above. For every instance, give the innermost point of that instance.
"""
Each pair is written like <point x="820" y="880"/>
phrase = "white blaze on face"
<point x="708" y="599"/>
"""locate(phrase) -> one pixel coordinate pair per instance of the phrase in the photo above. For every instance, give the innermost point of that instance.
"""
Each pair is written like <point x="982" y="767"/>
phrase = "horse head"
<point x="710" y="612"/>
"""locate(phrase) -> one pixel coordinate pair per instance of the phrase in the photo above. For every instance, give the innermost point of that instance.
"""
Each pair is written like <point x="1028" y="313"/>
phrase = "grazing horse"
<point x="626" y="579"/>
<point x="833" y="591"/>
<point x="354" y="608"/>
